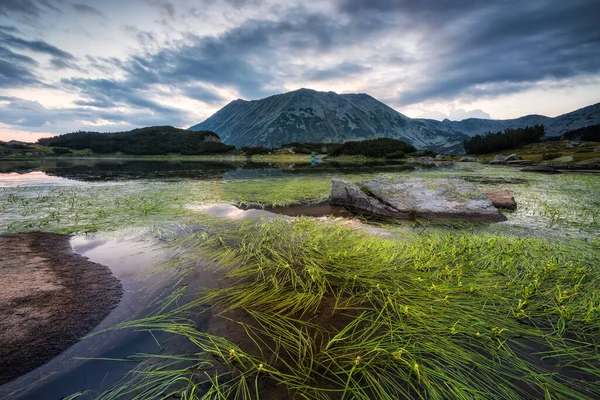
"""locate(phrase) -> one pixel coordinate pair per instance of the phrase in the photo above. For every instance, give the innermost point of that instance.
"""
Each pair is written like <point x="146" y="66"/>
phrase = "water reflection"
<point x="122" y="170"/>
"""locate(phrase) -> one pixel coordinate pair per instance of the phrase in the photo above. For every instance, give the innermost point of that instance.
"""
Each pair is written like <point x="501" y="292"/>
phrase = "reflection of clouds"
<point x="232" y="212"/>
<point x="36" y="178"/>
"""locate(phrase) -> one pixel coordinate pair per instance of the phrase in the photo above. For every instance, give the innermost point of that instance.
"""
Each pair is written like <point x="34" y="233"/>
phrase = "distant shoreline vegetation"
<point x="155" y="140"/>
<point x="377" y="148"/>
<point x="509" y="139"/>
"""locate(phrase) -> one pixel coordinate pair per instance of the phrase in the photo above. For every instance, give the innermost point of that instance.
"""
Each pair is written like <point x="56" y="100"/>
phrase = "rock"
<point x="498" y="160"/>
<point x="468" y="159"/>
<point x="512" y="157"/>
<point x="450" y="199"/>
<point x="501" y="199"/>
<point x="591" y="161"/>
<point x="571" y="145"/>
<point x="520" y="162"/>
<point x="541" y="168"/>
<point x="563" y="159"/>
<point x="439" y="157"/>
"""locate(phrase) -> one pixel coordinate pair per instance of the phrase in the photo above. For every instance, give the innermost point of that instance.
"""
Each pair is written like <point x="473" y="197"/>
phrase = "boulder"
<point x="501" y="199"/>
<point x="468" y="159"/>
<point x="445" y="199"/>
<point x="512" y="157"/>
<point x="498" y="160"/>
<point x="439" y="157"/>
<point x="546" y="169"/>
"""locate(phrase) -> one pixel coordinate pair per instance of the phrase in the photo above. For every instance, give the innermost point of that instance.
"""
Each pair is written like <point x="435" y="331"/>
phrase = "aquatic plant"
<point x="318" y="310"/>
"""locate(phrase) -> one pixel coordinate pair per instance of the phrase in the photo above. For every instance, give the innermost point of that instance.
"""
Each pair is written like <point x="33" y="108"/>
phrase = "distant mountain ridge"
<point x="307" y="115"/>
<point x="556" y="126"/>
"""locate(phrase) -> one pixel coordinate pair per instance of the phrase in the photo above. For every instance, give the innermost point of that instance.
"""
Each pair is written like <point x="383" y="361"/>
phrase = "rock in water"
<point x="450" y="199"/>
<point x="501" y="199"/>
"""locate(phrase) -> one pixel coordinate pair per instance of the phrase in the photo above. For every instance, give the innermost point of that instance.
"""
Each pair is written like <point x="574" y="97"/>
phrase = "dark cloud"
<point x="144" y="38"/>
<point x="15" y="75"/>
<point x="106" y="93"/>
<point x="87" y="10"/>
<point x="11" y="29"/>
<point x="338" y="71"/>
<point x="59" y="63"/>
<point x="165" y="6"/>
<point x="203" y="94"/>
<point x="253" y="57"/>
<point x="33" y="116"/>
<point x="38" y="46"/>
<point x="27" y="8"/>
<point x="10" y="56"/>
<point x="15" y="69"/>
<point x="485" y="49"/>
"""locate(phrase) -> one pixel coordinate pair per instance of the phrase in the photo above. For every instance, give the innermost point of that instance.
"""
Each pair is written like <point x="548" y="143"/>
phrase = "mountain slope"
<point x="554" y="126"/>
<point x="306" y="115"/>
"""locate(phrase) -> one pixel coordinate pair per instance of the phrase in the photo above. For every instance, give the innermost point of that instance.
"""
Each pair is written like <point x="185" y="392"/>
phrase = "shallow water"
<point x="92" y="364"/>
<point x="116" y="196"/>
<point x="107" y="195"/>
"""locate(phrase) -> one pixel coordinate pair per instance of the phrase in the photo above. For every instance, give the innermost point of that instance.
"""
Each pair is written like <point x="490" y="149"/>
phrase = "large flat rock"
<point x="416" y="198"/>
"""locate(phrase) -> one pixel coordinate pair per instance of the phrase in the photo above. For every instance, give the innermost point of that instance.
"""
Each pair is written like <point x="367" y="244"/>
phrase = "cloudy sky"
<point x="115" y="64"/>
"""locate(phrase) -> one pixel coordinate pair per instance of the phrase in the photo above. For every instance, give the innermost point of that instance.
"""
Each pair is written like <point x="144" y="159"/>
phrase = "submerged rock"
<point x="501" y="199"/>
<point x="520" y="162"/>
<point x="541" y="168"/>
<point x="451" y="199"/>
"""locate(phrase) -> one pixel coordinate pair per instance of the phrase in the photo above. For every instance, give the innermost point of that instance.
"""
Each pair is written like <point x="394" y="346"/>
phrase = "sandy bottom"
<point x="49" y="298"/>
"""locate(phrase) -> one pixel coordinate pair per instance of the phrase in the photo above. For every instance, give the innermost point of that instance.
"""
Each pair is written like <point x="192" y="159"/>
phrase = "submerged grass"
<point x="320" y="311"/>
<point x="562" y="205"/>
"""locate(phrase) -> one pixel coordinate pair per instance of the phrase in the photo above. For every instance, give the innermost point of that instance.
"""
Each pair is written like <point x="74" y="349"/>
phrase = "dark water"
<point x="121" y="170"/>
<point x="94" y="364"/>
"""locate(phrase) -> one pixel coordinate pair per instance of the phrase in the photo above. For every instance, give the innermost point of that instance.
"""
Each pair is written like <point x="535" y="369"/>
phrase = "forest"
<point x="587" y="134"/>
<point x="510" y="138"/>
<point x="155" y="140"/>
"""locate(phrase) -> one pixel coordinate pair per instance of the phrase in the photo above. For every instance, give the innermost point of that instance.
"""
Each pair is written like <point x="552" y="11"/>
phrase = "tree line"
<point x="155" y="140"/>
<point x="383" y="147"/>
<point x="510" y="138"/>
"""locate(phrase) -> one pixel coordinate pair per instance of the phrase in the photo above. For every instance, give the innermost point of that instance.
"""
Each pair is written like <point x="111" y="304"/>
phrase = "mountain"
<point x="306" y="115"/>
<point x="554" y="126"/>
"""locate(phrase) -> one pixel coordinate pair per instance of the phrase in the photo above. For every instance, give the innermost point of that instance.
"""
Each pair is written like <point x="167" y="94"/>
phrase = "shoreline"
<point x="50" y="297"/>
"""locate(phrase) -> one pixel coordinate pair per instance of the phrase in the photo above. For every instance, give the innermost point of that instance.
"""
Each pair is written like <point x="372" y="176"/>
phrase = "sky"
<point x="117" y="65"/>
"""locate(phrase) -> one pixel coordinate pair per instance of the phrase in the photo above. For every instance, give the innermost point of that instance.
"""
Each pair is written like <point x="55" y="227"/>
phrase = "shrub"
<point x="551" y="156"/>
<point x="395" y="155"/>
<point x="61" y="150"/>
<point x="373" y="148"/>
<point x="252" y="150"/>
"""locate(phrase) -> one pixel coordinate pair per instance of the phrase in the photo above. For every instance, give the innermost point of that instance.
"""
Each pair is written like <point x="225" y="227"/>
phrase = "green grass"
<point x="313" y="310"/>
